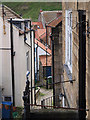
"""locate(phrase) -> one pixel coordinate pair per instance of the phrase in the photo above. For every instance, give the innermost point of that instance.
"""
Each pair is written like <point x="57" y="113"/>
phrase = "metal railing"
<point x="49" y="102"/>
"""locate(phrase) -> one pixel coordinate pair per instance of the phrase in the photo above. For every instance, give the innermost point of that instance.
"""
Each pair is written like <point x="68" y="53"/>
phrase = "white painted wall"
<point x="1" y="27"/>
<point x="20" y="69"/>
<point x="6" y="61"/>
<point x="40" y="52"/>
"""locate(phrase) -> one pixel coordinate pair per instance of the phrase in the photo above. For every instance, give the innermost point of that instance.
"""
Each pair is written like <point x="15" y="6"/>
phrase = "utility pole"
<point x="12" y="61"/>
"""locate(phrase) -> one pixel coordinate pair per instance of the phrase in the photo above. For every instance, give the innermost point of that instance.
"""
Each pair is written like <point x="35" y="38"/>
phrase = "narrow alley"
<point x="45" y="60"/>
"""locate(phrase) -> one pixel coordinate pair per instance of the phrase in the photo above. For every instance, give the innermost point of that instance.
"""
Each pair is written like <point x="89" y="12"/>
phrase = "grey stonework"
<point x="57" y="33"/>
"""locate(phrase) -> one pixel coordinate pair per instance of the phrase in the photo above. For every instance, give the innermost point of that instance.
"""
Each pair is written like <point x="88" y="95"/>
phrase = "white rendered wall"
<point x="20" y="49"/>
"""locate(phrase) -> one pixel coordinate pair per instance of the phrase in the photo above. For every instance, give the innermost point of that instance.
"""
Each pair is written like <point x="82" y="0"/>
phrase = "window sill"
<point x="69" y="74"/>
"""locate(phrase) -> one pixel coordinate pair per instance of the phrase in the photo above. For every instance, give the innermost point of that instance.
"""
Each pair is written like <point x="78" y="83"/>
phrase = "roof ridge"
<point x="42" y="34"/>
<point x="53" y="19"/>
<point x="42" y="47"/>
<point x="53" y="11"/>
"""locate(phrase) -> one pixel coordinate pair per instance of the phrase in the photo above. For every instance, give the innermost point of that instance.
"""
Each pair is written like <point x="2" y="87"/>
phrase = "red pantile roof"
<point x="38" y="24"/>
<point x="43" y="46"/>
<point x="47" y="16"/>
<point x="55" y="22"/>
<point x="43" y="36"/>
<point x="40" y="33"/>
<point x="43" y="60"/>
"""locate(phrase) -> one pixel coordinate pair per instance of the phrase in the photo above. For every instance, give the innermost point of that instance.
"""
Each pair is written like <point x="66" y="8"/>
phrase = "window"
<point x="26" y="24"/>
<point x="18" y="24"/>
<point x="27" y="60"/>
<point x="38" y="26"/>
<point x="68" y="39"/>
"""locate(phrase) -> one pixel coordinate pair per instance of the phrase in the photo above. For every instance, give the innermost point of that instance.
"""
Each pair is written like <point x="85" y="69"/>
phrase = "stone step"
<point x="53" y="114"/>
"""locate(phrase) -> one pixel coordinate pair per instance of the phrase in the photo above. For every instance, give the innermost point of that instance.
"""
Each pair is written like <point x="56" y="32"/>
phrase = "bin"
<point x="6" y="110"/>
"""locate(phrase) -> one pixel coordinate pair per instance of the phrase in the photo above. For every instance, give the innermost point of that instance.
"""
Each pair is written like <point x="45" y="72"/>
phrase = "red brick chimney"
<point x="40" y="10"/>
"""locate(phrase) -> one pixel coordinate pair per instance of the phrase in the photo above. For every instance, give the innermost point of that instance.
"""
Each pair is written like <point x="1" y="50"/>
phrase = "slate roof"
<point x="47" y="16"/>
<point x="55" y="22"/>
<point x="40" y="33"/>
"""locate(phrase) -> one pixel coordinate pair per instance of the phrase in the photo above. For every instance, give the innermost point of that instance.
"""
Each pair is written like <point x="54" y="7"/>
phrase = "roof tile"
<point x="55" y="22"/>
<point x="43" y="60"/>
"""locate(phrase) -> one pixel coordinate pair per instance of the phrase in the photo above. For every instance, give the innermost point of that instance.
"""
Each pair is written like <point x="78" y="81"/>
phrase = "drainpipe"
<point x="52" y="41"/>
<point x="63" y="101"/>
<point x="34" y="72"/>
<point x="37" y="60"/>
<point x="82" y="64"/>
<point x="31" y="63"/>
<point x="53" y="72"/>
<point x="12" y="62"/>
<point x="46" y="61"/>
<point x="77" y="4"/>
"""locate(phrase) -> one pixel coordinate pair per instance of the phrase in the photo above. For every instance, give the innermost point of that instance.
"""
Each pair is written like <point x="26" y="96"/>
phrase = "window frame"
<point x="68" y="39"/>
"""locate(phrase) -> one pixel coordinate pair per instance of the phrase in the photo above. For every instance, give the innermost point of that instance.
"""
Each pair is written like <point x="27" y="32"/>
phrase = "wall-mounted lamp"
<point x="61" y="96"/>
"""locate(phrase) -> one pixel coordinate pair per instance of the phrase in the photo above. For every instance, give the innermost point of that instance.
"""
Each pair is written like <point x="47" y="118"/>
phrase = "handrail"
<point x="61" y="107"/>
<point x="48" y="100"/>
<point x="53" y="83"/>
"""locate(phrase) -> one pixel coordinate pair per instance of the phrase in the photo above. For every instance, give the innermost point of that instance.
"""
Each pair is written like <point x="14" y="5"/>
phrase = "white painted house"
<point x="21" y="56"/>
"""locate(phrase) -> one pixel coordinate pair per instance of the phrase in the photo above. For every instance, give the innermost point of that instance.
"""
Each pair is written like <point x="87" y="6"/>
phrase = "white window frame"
<point x="68" y="39"/>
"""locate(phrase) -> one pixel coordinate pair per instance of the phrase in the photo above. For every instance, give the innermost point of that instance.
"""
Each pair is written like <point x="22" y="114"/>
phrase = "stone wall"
<point x="57" y="33"/>
<point x="72" y="88"/>
<point x="41" y="73"/>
